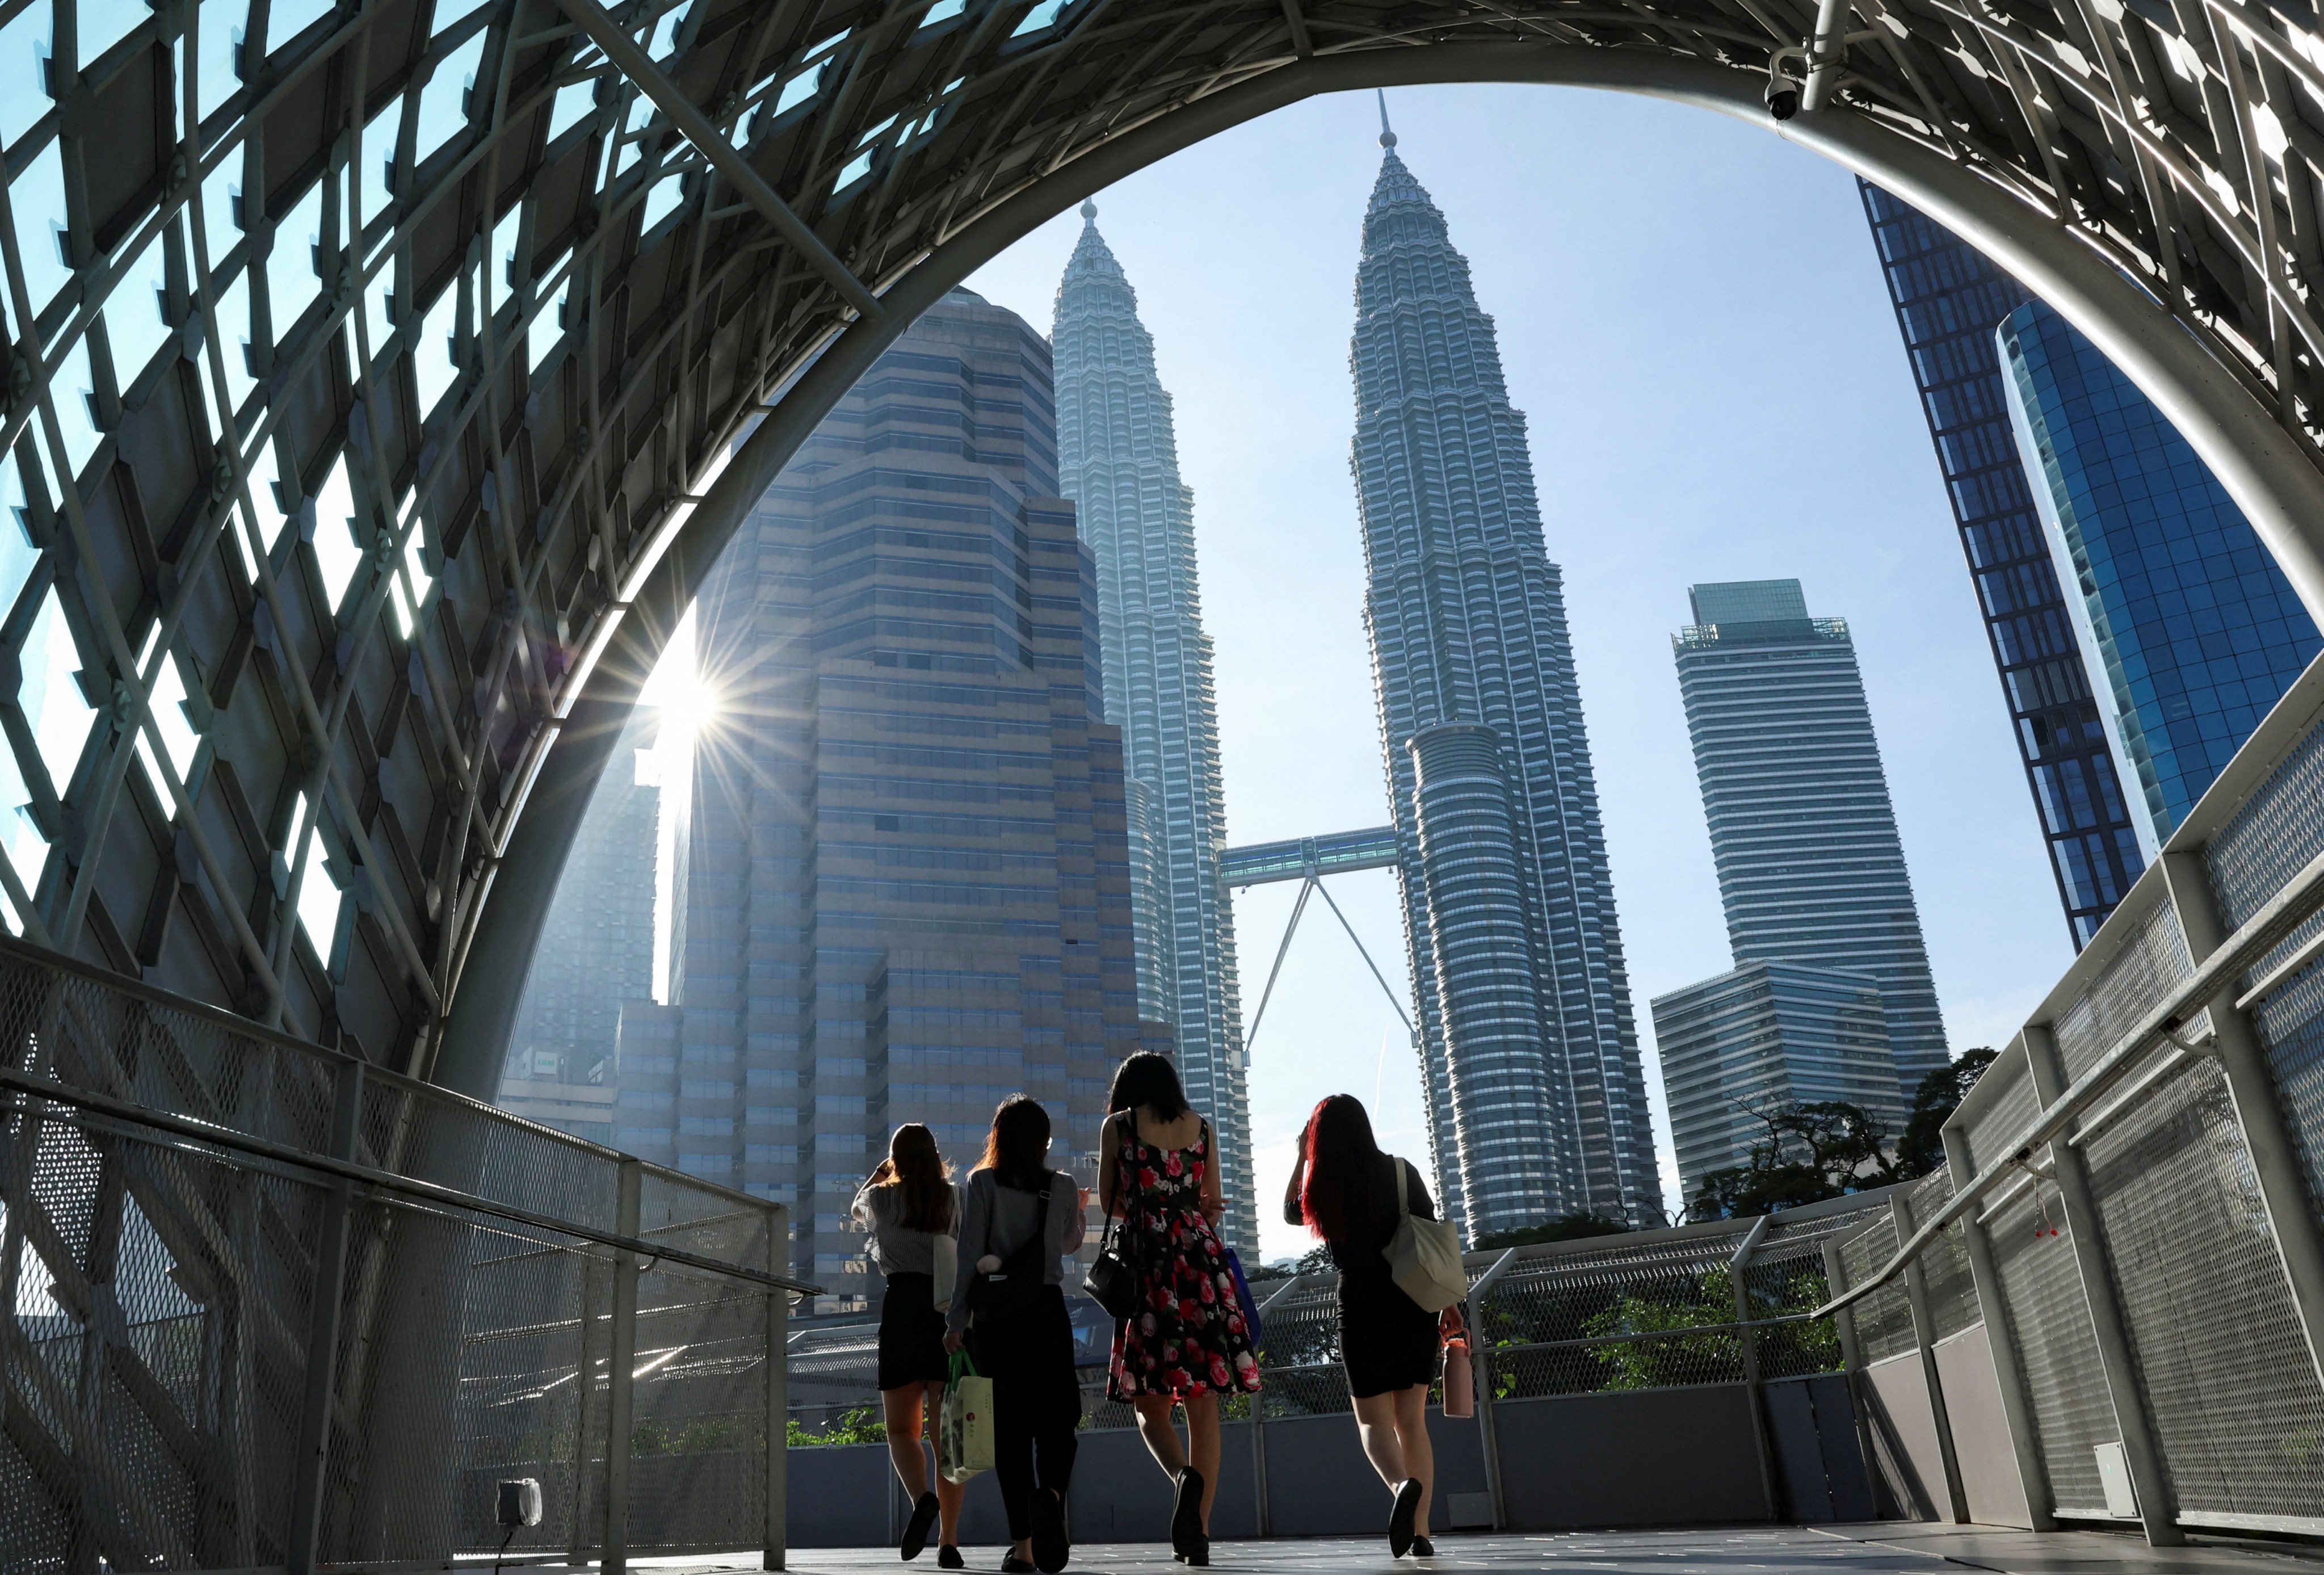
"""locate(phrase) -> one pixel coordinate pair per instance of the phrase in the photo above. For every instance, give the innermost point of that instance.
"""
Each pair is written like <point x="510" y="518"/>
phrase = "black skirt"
<point x="1387" y="1341"/>
<point x="1029" y="1358"/>
<point x="911" y="1332"/>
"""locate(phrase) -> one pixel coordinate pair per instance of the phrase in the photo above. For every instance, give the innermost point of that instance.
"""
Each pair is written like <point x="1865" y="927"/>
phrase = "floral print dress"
<point x="1189" y="1336"/>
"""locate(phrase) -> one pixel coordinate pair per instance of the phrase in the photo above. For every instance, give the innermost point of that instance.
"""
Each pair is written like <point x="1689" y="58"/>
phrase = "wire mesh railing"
<point x="269" y="1306"/>
<point x="1645" y="1311"/>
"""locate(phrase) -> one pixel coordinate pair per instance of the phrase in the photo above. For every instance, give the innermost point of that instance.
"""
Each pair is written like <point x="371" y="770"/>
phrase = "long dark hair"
<point x="917" y="1171"/>
<point x="1017" y="1149"/>
<point x="1344" y="1161"/>
<point x="1149" y="1079"/>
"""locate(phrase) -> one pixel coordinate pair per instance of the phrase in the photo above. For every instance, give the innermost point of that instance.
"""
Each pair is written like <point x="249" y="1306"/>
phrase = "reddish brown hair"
<point x="1344" y="1160"/>
<point x="919" y="1178"/>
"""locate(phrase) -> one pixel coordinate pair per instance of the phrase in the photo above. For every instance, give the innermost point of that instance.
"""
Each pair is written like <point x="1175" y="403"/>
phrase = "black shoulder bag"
<point x="1014" y="1289"/>
<point x="1112" y="1282"/>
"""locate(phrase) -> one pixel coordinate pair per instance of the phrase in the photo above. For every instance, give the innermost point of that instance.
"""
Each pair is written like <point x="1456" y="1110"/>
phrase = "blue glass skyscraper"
<point x="1536" y="1103"/>
<point x="1948" y="299"/>
<point x="2195" y="629"/>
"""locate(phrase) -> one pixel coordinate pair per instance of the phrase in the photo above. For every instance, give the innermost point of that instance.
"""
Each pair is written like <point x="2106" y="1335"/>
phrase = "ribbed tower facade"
<point x="1118" y="461"/>
<point x="1803" y="832"/>
<point x="1537" y="1103"/>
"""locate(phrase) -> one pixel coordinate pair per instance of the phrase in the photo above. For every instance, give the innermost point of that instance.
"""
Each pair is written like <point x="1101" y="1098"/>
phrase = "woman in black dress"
<point x="1346" y="1191"/>
<point x="908" y="1206"/>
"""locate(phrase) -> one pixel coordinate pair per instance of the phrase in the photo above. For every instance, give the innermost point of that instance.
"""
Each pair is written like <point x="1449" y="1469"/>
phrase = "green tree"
<point x="1921" y="1148"/>
<point x="1824" y="1149"/>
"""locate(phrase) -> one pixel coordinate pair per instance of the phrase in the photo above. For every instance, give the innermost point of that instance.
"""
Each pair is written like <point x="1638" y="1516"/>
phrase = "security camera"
<point x="1782" y="97"/>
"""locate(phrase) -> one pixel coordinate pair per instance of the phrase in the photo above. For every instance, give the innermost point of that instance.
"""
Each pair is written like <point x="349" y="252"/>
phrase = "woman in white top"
<point x="910" y="1208"/>
<point x="1021" y="1223"/>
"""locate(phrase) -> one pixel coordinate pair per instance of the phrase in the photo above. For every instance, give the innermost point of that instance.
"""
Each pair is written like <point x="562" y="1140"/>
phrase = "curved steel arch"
<point x="351" y="618"/>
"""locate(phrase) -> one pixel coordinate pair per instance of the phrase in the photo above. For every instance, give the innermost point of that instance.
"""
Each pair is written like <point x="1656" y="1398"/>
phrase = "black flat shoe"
<point x="1187" y="1516"/>
<point x="1051" y="1545"/>
<point x="1199" y="1556"/>
<point x="948" y="1557"/>
<point x="917" y="1529"/>
<point x="1400" y="1519"/>
<point x="1010" y="1564"/>
<point x="1422" y="1548"/>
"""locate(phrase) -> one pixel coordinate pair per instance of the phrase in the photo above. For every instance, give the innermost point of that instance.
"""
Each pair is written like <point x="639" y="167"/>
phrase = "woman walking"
<point x="1350" y="1194"/>
<point x="908" y="1206"/>
<point x="1188" y="1343"/>
<point x="1020" y="1220"/>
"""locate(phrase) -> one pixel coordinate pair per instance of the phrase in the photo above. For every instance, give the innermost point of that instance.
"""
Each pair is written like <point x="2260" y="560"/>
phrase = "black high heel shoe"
<point x="1186" y="1517"/>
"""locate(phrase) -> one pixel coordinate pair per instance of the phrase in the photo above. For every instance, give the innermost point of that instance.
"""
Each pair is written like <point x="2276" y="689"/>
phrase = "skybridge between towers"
<point x="1301" y="858"/>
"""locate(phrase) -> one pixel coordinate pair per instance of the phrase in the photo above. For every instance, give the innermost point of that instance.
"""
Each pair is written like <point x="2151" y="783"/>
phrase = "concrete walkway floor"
<point x="1888" y="1548"/>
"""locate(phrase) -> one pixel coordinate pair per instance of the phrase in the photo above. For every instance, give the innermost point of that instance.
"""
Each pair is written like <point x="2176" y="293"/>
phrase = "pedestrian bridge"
<point x="382" y="377"/>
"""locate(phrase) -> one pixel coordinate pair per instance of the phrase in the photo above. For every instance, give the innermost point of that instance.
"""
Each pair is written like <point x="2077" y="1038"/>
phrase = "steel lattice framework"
<point x="314" y="647"/>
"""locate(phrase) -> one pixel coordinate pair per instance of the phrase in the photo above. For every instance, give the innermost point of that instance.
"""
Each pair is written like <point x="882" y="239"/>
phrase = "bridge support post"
<point x="1851" y="1365"/>
<point x="779" y="1392"/>
<point x="621" y="1383"/>
<point x="1480" y="1348"/>
<point x="2001" y="1339"/>
<point x="2258" y="1105"/>
<point x="2085" y="1231"/>
<point x="1924" y="1335"/>
<point x="1746" y="1340"/>
<point x="328" y="1300"/>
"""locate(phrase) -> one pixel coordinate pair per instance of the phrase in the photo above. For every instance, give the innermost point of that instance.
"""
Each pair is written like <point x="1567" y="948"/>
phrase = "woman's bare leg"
<point x="903" y="1415"/>
<point x="1375" y="1426"/>
<point x="1202" y="1439"/>
<point x="1161" y="1438"/>
<point x="1418" y="1450"/>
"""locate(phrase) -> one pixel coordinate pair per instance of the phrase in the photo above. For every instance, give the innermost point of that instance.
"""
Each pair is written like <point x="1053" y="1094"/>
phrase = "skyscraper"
<point x="1761" y="1036"/>
<point x="1948" y="300"/>
<point x="596" y="953"/>
<point x="1811" y="869"/>
<point x="1118" y="461"/>
<point x="2194" y="627"/>
<point x="909" y="882"/>
<point x="1537" y="1103"/>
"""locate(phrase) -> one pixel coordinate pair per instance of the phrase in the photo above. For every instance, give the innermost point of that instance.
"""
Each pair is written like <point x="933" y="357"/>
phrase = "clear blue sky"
<point x="1691" y="319"/>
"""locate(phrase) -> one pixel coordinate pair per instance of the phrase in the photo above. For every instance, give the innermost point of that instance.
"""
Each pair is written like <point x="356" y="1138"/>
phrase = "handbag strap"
<point x="1403" y="1189"/>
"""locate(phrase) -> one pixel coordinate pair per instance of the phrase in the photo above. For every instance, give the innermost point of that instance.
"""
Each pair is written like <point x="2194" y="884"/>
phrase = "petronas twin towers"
<point x="1535" y="1100"/>
<point x="1118" y="460"/>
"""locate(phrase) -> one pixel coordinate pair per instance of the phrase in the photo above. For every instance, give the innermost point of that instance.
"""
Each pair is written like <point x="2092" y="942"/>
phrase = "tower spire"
<point x="1388" y="137"/>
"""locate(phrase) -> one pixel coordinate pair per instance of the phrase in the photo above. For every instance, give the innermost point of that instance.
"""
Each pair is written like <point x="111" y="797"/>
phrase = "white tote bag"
<point x="1425" y="1255"/>
<point x="947" y="1270"/>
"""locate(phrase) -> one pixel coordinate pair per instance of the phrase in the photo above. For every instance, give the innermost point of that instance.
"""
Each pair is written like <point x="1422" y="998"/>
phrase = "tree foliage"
<point x="1574" y="1226"/>
<point x="1831" y="1147"/>
<point x="1921" y="1149"/>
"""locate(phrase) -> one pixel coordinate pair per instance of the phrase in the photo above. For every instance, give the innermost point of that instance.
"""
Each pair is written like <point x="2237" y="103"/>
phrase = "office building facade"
<point x="596" y="952"/>
<point x="1802" y="833"/>
<point x="1535" y="1100"/>
<point x="2193" y="629"/>
<point x="1118" y="461"/>
<point x="1948" y="300"/>
<point x="910" y="873"/>
<point x="1761" y="1036"/>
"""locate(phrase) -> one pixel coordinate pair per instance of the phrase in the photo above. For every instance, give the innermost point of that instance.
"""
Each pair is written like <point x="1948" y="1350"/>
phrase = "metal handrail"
<point x="2296" y="901"/>
<point x="191" y="1130"/>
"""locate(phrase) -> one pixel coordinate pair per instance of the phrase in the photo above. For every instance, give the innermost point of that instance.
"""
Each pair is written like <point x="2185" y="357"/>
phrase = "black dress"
<point x="1387" y="1341"/>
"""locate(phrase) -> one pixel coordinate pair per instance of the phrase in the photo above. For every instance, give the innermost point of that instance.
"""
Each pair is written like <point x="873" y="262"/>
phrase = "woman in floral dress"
<point x="1188" y="1343"/>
